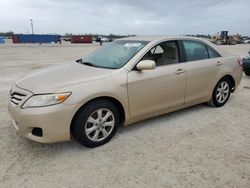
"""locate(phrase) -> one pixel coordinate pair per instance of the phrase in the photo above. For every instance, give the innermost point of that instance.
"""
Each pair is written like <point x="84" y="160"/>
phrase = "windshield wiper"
<point x="92" y="64"/>
<point x="89" y="64"/>
<point x="85" y="63"/>
<point x="79" y="60"/>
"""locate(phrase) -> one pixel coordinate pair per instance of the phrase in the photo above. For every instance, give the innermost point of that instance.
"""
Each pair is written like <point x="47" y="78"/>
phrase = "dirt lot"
<point x="195" y="147"/>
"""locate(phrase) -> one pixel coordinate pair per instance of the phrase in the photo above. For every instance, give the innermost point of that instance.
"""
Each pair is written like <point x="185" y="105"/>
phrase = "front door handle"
<point x="219" y="63"/>
<point x="179" y="71"/>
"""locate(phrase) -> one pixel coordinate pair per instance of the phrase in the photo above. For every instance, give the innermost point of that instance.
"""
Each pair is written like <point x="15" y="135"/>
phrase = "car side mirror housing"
<point x="146" y="65"/>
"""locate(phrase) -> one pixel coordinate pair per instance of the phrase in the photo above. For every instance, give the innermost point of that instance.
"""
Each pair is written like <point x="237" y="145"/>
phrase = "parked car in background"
<point x="66" y="38"/>
<point x="125" y="81"/>
<point x="247" y="41"/>
<point x="102" y="39"/>
<point x="246" y="64"/>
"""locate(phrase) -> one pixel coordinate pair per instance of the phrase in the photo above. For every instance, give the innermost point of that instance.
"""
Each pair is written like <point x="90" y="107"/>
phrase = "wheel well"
<point x="232" y="81"/>
<point x="111" y="99"/>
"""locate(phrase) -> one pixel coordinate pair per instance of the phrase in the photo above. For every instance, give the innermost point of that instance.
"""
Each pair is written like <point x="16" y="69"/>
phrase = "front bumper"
<point x="54" y="121"/>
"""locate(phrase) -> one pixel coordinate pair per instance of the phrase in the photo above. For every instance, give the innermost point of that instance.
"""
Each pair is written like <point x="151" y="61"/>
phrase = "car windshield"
<point x="115" y="54"/>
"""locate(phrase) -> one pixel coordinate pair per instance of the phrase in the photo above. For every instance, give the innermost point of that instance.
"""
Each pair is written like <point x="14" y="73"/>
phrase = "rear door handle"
<point x="179" y="71"/>
<point x="219" y="63"/>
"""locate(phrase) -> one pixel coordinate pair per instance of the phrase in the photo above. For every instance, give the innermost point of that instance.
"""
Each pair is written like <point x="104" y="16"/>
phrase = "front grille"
<point x="16" y="97"/>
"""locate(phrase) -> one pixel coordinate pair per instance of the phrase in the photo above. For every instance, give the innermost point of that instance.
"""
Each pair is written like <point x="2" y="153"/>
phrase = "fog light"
<point x="37" y="131"/>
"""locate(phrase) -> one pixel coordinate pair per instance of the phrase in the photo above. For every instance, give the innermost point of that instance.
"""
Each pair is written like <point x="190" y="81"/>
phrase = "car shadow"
<point x="162" y="118"/>
<point x="51" y="150"/>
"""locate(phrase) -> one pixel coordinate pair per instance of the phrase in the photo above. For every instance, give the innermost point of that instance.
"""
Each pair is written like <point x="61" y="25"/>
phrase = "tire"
<point x="221" y="93"/>
<point x="91" y="129"/>
<point x="247" y="73"/>
<point x="233" y="42"/>
<point x="218" y="42"/>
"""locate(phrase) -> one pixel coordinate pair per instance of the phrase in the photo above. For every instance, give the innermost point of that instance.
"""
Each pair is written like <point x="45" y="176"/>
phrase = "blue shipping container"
<point x="1" y="40"/>
<point x="37" y="38"/>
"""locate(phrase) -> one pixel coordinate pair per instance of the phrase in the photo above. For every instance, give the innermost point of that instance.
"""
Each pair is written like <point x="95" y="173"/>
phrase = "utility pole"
<point x="31" y="23"/>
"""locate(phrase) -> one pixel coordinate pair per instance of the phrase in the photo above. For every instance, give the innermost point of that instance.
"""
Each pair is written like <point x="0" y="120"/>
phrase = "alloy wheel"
<point x="99" y="124"/>
<point x="222" y="92"/>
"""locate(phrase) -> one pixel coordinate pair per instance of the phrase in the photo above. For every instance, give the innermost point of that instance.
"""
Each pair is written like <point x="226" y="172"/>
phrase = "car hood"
<point x="50" y="79"/>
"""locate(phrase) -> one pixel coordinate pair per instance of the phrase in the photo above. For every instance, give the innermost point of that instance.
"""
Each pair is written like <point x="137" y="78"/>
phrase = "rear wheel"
<point x="218" y="42"/>
<point x="221" y="93"/>
<point x="96" y="123"/>
<point x="233" y="42"/>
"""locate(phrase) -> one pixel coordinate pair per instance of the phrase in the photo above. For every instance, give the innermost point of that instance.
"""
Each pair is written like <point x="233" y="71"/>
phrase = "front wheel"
<point x="221" y="93"/>
<point x="218" y="42"/>
<point x="96" y="123"/>
<point x="233" y="42"/>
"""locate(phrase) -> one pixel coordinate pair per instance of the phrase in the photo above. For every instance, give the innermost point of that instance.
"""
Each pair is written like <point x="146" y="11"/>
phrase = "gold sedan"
<point x="123" y="82"/>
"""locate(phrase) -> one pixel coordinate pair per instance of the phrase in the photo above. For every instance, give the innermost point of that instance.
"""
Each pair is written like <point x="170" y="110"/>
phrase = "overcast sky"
<point x="141" y="17"/>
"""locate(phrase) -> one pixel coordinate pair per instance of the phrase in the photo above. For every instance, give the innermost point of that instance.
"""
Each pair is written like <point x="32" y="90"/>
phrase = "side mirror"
<point x="146" y="65"/>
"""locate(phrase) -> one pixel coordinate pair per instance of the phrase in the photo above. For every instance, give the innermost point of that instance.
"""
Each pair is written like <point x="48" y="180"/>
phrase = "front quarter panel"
<point x="113" y="85"/>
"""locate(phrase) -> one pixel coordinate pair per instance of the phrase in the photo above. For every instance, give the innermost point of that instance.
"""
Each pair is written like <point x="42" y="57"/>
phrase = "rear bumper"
<point x="237" y="75"/>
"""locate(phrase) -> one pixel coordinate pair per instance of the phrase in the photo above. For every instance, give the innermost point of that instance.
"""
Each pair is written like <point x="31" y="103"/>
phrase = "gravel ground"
<point x="195" y="147"/>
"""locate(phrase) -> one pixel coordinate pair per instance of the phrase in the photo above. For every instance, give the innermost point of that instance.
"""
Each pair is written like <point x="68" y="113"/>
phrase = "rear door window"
<point x="195" y="50"/>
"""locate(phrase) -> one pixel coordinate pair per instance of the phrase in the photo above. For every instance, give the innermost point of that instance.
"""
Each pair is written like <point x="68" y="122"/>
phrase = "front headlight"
<point x="42" y="100"/>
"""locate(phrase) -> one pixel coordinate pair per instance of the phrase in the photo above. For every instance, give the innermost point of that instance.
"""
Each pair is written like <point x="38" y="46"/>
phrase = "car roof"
<point x="155" y="39"/>
<point x="160" y="37"/>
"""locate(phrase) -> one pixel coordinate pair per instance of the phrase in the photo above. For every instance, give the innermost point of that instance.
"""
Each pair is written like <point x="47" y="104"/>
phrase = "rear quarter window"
<point x="212" y="53"/>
